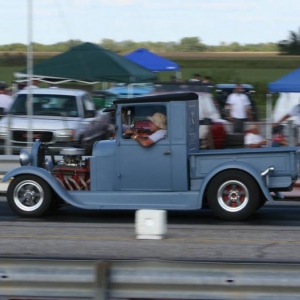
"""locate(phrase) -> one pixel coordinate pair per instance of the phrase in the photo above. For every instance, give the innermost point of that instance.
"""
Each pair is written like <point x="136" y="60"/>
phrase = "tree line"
<point x="187" y="44"/>
<point x="289" y="46"/>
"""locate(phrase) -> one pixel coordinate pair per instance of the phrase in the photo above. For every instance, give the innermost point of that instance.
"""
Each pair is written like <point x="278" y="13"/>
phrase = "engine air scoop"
<point x="72" y="151"/>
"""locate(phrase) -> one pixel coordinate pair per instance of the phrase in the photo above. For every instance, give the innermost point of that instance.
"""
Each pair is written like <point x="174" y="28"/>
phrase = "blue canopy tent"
<point x="152" y="61"/>
<point x="288" y="88"/>
<point x="289" y="83"/>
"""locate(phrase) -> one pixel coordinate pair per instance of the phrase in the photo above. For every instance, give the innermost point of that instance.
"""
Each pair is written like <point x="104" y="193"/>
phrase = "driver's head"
<point x="254" y="128"/>
<point x="159" y="120"/>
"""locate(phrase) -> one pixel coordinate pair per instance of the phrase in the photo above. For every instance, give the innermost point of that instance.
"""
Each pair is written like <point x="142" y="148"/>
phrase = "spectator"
<point x="34" y="84"/>
<point x="253" y="139"/>
<point x="207" y="80"/>
<point x="239" y="107"/>
<point x="295" y="112"/>
<point x="278" y="139"/>
<point x="196" y="78"/>
<point x="5" y="99"/>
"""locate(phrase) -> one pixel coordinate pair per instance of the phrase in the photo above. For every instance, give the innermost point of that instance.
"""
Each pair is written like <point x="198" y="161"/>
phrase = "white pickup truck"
<point x="58" y="117"/>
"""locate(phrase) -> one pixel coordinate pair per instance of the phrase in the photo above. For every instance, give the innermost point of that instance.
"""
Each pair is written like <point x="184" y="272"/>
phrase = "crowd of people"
<point x="238" y="113"/>
<point x="6" y="98"/>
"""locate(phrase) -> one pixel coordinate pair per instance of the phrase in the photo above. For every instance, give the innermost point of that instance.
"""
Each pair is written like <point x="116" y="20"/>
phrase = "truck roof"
<point x="53" y="91"/>
<point x="160" y="97"/>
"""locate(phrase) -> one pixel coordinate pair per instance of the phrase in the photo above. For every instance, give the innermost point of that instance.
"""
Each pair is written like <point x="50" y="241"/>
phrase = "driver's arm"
<point x="145" y="142"/>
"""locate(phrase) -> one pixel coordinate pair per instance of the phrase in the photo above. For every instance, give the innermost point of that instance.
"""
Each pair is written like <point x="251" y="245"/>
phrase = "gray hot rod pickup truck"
<point x="172" y="174"/>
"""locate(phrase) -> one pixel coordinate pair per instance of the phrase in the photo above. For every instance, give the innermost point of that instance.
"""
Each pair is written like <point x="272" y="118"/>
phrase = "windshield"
<point x="46" y="105"/>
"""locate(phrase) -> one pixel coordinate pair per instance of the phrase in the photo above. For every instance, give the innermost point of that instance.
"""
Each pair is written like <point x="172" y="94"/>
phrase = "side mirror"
<point x="90" y="114"/>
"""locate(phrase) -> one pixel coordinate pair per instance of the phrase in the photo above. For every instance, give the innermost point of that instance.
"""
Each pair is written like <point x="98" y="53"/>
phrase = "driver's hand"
<point x="129" y="132"/>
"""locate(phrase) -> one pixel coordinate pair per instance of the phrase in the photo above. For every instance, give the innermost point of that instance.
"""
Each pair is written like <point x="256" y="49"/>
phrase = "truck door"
<point x="145" y="168"/>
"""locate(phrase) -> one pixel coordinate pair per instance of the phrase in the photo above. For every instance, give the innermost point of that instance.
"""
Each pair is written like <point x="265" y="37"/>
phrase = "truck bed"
<point x="284" y="160"/>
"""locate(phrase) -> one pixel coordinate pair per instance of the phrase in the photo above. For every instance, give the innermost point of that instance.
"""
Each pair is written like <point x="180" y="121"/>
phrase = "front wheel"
<point x="233" y="195"/>
<point x="29" y="196"/>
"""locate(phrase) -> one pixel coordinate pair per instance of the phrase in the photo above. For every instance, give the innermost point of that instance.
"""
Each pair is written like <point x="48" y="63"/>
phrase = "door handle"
<point x="168" y="152"/>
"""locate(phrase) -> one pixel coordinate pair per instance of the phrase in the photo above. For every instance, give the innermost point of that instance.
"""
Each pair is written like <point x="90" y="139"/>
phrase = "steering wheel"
<point x="127" y="136"/>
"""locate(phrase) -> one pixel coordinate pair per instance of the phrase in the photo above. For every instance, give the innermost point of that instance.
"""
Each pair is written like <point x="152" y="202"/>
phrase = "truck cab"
<point x="162" y="167"/>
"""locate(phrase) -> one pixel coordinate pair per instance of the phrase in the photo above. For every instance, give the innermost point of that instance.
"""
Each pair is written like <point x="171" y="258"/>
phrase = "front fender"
<point x="239" y="166"/>
<point x="47" y="177"/>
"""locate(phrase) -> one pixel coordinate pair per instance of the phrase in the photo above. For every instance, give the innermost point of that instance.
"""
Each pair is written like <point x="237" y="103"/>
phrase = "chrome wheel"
<point x="233" y="196"/>
<point x="28" y="195"/>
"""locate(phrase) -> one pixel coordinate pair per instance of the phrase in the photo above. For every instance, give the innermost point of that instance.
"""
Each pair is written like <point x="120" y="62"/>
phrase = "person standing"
<point x="295" y="112"/>
<point x="34" y="85"/>
<point x="239" y="107"/>
<point x="5" y="100"/>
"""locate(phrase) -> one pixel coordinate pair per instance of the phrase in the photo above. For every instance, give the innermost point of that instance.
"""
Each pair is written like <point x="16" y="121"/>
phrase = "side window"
<point x="136" y="117"/>
<point x="69" y="106"/>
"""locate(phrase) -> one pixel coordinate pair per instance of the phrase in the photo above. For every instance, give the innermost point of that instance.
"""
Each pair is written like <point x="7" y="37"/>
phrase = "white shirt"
<point x="158" y="135"/>
<point x="239" y="103"/>
<point x="5" y="101"/>
<point x="251" y="138"/>
<point x="295" y="112"/>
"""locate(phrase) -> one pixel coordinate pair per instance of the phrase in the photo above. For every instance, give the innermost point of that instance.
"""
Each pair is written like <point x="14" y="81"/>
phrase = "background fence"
<point x="8" y="146"/>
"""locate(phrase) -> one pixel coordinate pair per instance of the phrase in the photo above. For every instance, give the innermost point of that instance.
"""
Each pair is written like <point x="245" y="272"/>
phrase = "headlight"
<point x="25" y="158"/>
<point x="65" y="134"/>
<point x="3" y="132"/>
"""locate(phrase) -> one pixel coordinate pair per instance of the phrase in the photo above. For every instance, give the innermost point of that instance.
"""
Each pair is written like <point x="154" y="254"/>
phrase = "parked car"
<point x="131" y="90"/>
<point x="57" y="118"/>
<point x="103" y="98"/>
<point x="223" y="90"/>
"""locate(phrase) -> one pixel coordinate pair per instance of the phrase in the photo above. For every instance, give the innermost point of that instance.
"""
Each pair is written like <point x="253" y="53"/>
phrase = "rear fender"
<point x="47" y="177"/>
<point x="238" y="166"/>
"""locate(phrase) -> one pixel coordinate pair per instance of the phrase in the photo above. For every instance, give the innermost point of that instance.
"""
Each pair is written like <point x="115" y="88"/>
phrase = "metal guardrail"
<point x="103" y="280"/>
<point x="8" y="162"/>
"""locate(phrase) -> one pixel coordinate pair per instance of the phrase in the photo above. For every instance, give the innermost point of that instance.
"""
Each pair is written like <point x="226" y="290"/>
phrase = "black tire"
<point x="233" y="195"/>
<point x="56" y="203"/>
<point x="262" y="201"/>
<point x="29" y="196"/>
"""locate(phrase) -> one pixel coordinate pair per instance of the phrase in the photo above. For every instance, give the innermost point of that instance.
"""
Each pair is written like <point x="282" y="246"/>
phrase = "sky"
<point x="212" y="21"/>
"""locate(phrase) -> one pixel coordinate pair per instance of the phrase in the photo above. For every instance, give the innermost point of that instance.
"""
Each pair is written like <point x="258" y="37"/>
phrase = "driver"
<point x="158" y="126"/>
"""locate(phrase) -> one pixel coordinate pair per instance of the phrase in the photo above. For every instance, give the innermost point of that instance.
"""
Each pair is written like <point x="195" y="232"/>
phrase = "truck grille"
<point x="43" y="136"/>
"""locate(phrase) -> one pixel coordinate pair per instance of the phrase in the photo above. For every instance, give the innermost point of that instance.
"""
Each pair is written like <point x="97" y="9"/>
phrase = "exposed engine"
<point x="73" y="172"/>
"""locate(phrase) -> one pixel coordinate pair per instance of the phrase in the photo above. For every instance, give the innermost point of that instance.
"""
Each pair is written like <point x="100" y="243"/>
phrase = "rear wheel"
<point x="233" y="195"/>
<point x="29" y="196"/>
